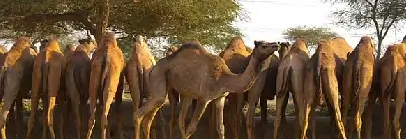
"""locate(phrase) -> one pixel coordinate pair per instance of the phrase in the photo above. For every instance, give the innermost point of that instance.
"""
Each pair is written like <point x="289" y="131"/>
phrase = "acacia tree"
<point x="382" y="15"/>
<point x="179" y="20"/>
<point x="311" y="34"/>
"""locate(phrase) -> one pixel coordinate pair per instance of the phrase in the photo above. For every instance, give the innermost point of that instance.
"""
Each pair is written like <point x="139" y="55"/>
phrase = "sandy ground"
<point x="263" y="131"/>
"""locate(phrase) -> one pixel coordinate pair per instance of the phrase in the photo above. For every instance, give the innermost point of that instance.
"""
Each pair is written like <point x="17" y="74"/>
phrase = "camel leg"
<point x="279" y="102"/>
<point x="368" y="115"/>
<point x="219" y="103"/>
<point x="283" y="117"/>
<point x="11" y="91"/>
<point x="62" y="111"/>
<point x="399" y="100"/>
<point x="172" y="103"/>
<point x="297" y="86"/>
<point x="45" y="106"/>
<point x="185" y="103"/>
<point x="75" y="106"/>
<point x="73" y="94"/>
<point x="19" y="116"/>
<point x="117" y="104"/>
<point x="94" y="89"/>
<point x="134" y="85"/>
<point x="148" y="119"/>
<point x="34" y="101"/>
<point x="330" y="89"/>
<point x="386" y="109"/>
<point x="347" y="90"/>
<point x="253" y="95"/>
<point x="199" y="110"/>
<point x="308" y="107"/>
<point x="365" y="86"/>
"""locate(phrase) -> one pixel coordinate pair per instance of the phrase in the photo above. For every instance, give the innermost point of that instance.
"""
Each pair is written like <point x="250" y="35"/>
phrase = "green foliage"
<point x="311" y="34"/>
<point x="178" y="20"/>
<point x="381" y="15"/>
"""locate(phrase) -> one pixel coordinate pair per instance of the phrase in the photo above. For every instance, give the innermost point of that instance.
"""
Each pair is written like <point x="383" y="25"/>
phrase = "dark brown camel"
<point x="16" y="81"/>
<point x="48" y="70"/>
<point x="202" y="76"/>
<point x="106" y="83"/>
<point x="357" y="80"/>
<point x="77" y="83"/>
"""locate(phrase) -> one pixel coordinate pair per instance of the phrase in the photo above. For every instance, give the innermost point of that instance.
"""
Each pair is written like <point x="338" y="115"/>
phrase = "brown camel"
<point x="137" y="72"/>
<point x="236" y="57"/>
<point x="207" y="78"/>
<point x="391" y="73"/>
<point x="106" y="82"/>
<point x="77" y="82"/>
<point x="264" y="89"/>
<point x="68" y="52"/>
<point x="357" y="80"/>
<point x="16" y="80"/>
<point x="321" y="82"/>
<point x="291" y="72"/>
<point x="49" y="67"/>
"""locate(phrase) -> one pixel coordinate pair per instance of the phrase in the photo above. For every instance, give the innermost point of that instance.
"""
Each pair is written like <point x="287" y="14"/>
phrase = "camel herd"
<point x="191" y="75"/>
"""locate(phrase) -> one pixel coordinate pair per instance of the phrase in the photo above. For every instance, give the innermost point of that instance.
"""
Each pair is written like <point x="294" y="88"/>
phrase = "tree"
<point x="178" y="20"/>
<point x="382" y="15"/>
<point x="311" y="34"/>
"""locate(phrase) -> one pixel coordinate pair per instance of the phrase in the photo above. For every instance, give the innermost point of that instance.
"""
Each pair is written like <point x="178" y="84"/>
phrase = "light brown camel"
<point x="357" y="80"/>
<point x="48" y="70"/>
<point x="322" y="81"/>
<point x="264" y="89"/>
<point x="77" y="79"/>
<point x="106" y="82"/>
<point x="391" y="75"/>
<point x="290" y="78"/>
<point x="16" y="81"/>
<point x="3" y="49"/>
<point x="197" y="74"/>
<point x="136" y="72"/>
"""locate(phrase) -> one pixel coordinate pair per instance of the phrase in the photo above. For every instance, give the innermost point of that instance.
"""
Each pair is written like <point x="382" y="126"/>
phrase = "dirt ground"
<point x="263" y="131"/>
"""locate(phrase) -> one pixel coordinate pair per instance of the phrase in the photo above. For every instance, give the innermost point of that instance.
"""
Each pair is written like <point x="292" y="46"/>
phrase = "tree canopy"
<point x="382" y="15"/>
<point x="178" y="20"/>
<point x="311" y="34"/>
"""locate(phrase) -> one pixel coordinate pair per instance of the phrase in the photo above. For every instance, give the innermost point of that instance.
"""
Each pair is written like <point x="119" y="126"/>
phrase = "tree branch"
<point x="388" y="27"/>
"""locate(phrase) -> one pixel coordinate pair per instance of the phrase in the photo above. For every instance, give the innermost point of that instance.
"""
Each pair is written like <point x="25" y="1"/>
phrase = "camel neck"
<point x="242" y="82"/>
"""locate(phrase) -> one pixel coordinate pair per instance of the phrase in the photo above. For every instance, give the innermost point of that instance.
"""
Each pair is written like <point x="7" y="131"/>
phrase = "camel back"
<point x="186" y="46"/>
<point x="17" y="51"/>
<point x="340" y="47"/>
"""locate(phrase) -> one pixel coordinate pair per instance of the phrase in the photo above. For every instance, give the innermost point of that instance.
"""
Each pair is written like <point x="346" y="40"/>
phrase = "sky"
<point x="269" y="18"/>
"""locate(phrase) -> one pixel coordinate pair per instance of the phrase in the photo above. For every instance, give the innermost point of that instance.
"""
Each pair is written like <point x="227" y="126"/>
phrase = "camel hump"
<point x="237" y="44"/>
<point x="139" y="39"/>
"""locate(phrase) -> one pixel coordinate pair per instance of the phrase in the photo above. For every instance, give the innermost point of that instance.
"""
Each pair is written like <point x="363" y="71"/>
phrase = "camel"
<point x="357" y="80"/>
<point x="207" y="78"/>
<point x="390" y="73"/>
<point x="48" y="70"/>
<point x="106" y="82"/>
<point x="322" y="79"/>
<point x="236" y="57"/>
<point x="137" y="72"/>
<point x="265" y="89"/>
<point x="3" y="49"/>
<point x="68" y="52"/>
<point x="291" y="72"/>
<point x="16" y="80"/>
<point x="77" y="82"/>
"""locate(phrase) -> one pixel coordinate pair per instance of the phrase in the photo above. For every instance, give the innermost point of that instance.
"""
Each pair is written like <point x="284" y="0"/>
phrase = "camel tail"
<point x="286" y="76"/>
<point x="391" y="86"/>
<point x="104" y="73"/>
<point x="356" y="72"/>
<point x="317" y="79"/>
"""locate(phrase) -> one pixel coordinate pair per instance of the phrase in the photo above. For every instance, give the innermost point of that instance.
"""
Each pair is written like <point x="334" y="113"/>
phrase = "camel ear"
<point x="256" y="43"/>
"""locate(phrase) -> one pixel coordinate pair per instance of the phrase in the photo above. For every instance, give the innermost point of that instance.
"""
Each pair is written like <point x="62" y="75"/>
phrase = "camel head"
<point x="69" y="47"/>
<point x="171" y="49"/>
<point x="139" y="42"/>
<point x="285" y="47"/>
<point x="3" y="49"/>
<point x="88" y="45"/>
<point x="52" y="44"/>
<point x="263" y="49"/>
<point x="109" y="40"/>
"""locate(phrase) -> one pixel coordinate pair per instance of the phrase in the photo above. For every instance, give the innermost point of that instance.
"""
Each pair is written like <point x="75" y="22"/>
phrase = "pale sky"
<point x="269" y="18"/>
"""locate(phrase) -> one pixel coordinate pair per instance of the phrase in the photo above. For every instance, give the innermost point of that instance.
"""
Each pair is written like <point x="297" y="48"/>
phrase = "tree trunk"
<point x="378" y="54"/>
<point x="102" y="23"/>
